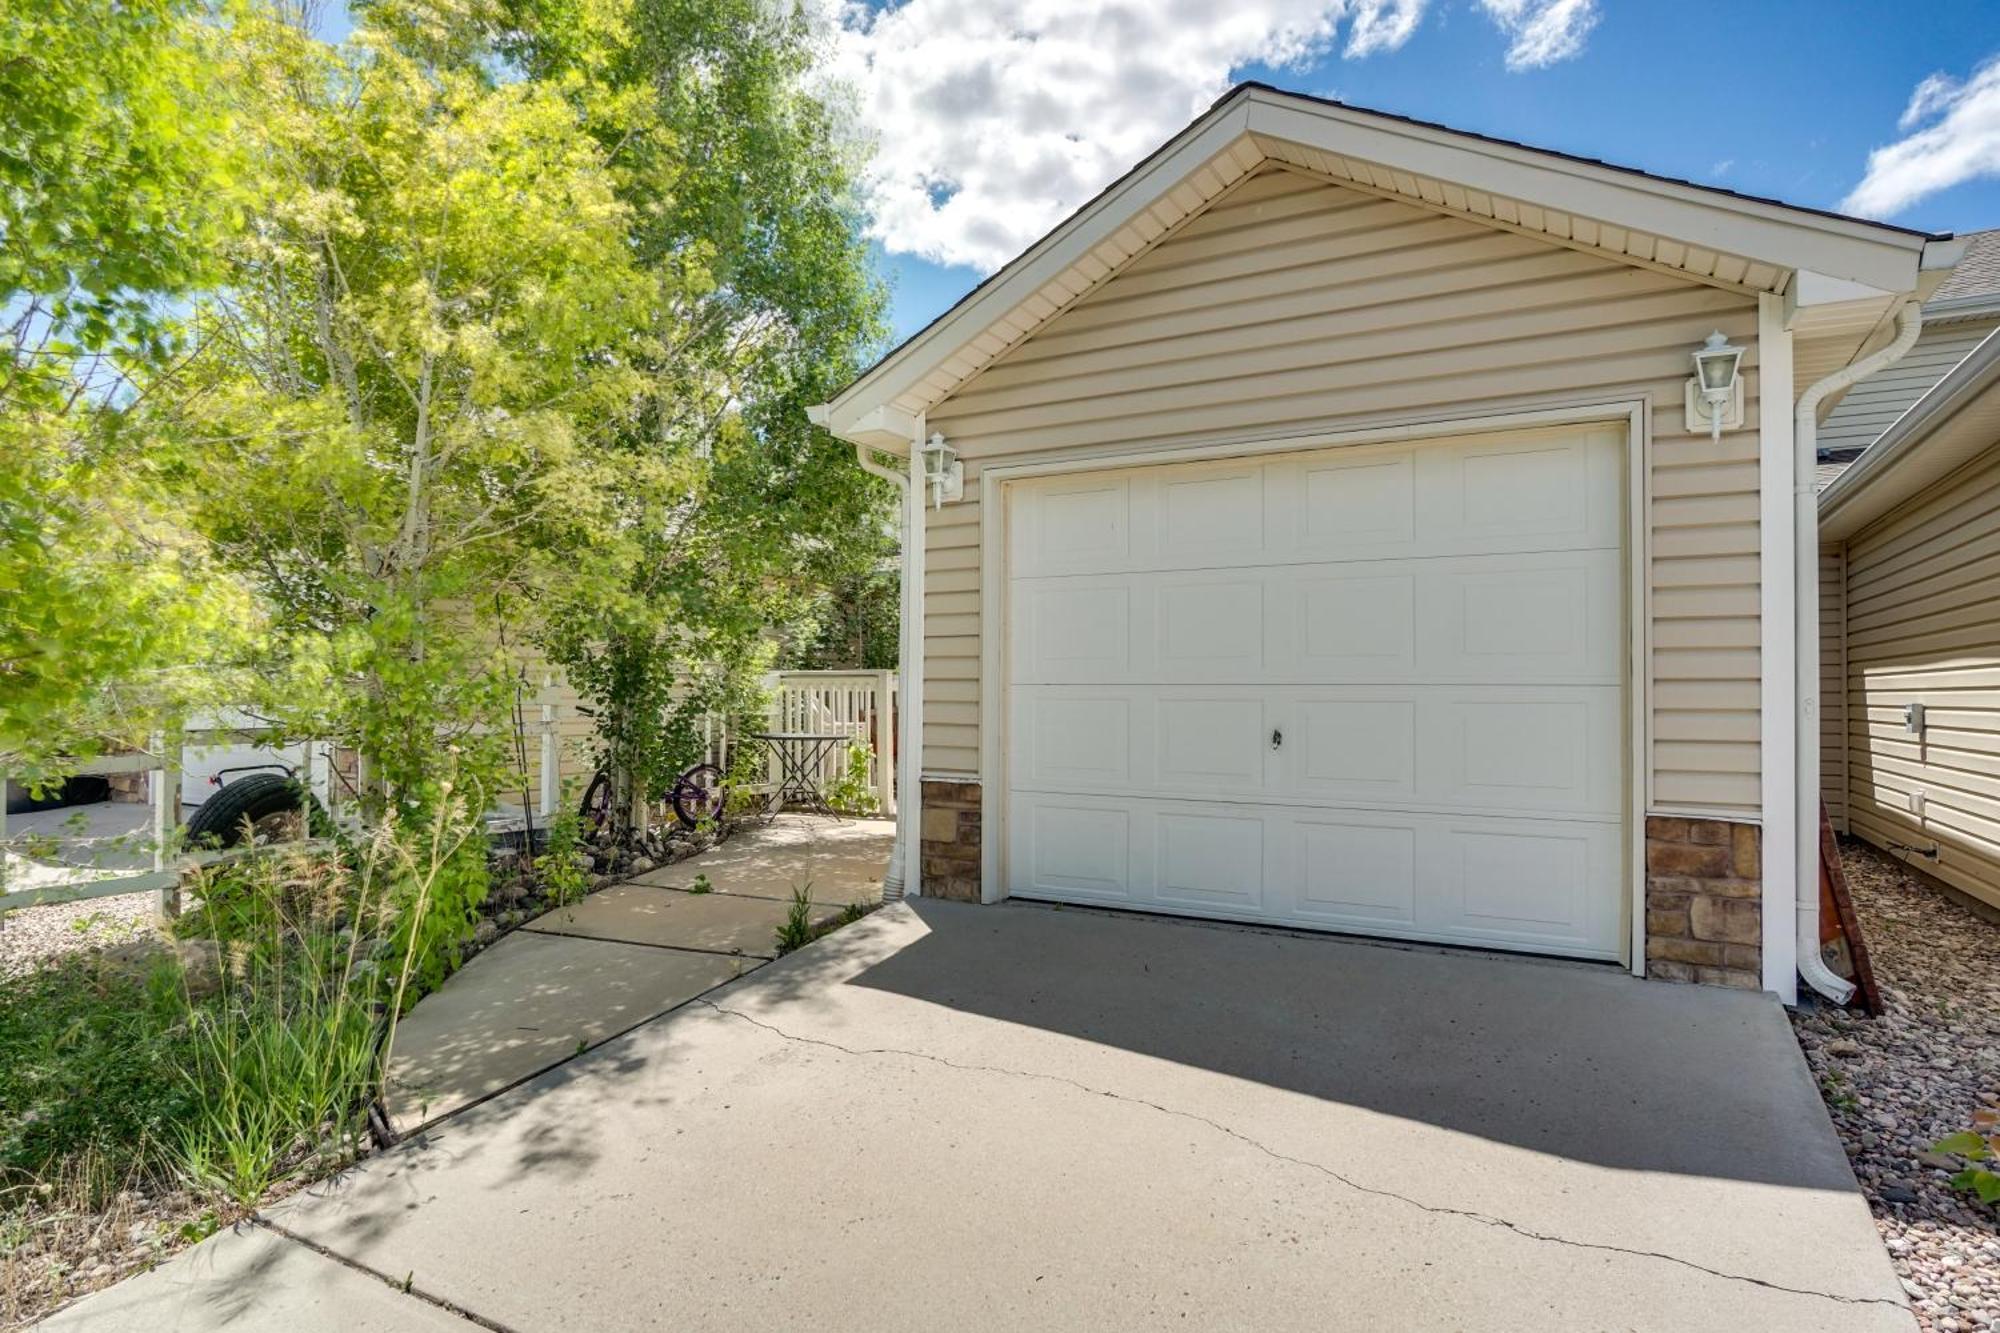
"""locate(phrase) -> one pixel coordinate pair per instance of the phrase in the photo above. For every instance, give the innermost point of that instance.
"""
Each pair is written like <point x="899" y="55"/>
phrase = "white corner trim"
<point x="993" y="636"/>
<point x="1777" y="704"/>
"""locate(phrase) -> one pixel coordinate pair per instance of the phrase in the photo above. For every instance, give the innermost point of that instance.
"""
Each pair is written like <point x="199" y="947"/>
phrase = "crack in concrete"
<point x="1467" y="1214"/>
<point x="404" y="1286"/>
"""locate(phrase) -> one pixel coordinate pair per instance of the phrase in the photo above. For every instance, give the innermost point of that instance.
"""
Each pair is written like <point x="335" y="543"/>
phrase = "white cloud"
<point x="994" y="119"/>
<point x="1952" y="135"/>
<point x="1542" y="32"/>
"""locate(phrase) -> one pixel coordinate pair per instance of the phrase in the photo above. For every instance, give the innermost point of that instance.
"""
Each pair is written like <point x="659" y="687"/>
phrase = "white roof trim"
<point x="1711" y="236"/>
<point x="1949" y="426"/>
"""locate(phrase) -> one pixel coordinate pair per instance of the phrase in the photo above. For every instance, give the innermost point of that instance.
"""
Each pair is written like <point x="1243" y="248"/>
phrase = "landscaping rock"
<point x="485" y="933"/>
<point x="1897" y="1084"/>
<point x="200" y="961"/>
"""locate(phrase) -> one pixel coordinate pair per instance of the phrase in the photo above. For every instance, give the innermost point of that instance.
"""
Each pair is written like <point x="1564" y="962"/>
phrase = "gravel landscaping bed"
<point x="34" y="936"/>
<point x="1897" y="1084"/>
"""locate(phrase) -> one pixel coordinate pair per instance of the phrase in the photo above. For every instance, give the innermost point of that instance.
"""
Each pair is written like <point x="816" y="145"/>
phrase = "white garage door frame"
<point x="1632" y="415"/>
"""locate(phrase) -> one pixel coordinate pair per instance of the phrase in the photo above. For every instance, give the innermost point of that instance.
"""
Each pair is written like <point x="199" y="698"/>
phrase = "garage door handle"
<point x="1277" y="738"/>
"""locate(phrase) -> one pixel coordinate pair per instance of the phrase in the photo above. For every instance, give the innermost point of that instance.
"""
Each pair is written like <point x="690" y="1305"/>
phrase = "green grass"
<point x="91" y="1081"/>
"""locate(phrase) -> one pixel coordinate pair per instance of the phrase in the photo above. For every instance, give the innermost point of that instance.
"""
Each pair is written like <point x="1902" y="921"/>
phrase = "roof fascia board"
<point x="1865" y="491"/>
<point x="1041" y="263"/>
<point x="1842" y="248"/>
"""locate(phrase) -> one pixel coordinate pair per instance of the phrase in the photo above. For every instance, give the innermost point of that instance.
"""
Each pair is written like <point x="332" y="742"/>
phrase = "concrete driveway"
<point x="1016" y="1117"/>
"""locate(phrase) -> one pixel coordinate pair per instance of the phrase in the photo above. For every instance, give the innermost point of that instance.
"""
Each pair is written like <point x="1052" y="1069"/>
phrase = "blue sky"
<point x="993" y="119"/>
<point x="1781" y="97"/>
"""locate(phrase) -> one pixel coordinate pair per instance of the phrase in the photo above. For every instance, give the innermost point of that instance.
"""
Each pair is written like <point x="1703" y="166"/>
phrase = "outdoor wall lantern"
<point x="942" y="471"/>
<point x="1715" y="392"/>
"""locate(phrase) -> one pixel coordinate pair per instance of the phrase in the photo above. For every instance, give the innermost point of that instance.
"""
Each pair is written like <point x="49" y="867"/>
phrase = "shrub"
<point x="851" y="791"/>
<point x="560" y="865"/>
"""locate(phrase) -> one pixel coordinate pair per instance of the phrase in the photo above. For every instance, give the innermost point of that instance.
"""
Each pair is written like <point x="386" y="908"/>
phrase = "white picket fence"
<point x="860" y="704"/>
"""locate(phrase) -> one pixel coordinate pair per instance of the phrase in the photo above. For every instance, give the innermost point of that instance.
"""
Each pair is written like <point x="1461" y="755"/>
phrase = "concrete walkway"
<point x="1015" y="1117"/>
<point x="575" y="977"/>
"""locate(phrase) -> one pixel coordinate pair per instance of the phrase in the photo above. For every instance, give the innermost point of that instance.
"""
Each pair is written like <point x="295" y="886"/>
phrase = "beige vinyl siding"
<point x="1833" y="683"/>
<point x="1871" y="406"/>
<point x="1292" y="306"/>
<point x="1923" y="626"/>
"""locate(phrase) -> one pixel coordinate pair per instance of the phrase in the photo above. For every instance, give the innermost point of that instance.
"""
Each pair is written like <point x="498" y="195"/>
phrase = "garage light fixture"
<point x="1715" y="365"/>
<point x="943" y="473"/>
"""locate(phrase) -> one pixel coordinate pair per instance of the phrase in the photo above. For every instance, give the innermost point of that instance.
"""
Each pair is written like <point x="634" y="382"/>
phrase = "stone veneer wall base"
<point x="1704" y="902"/>
<point x="950" y="840"/>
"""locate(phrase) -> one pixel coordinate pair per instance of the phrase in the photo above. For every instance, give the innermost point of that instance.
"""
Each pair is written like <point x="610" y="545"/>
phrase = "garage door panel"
<point x="1210" y="744"/>
<point x="1072" y="526"/>
<point x="1355" y="876"/>
<point x="1207" y="515"/>
<point x="1531" y="749"/>
<point x="1359" y="748"/>
<point x="1206" y="627"/>
<point x="1539" y="885"/>
<point x="1077" y="742"/>
<point x="1354" y="508"/>
<point x="1541" y="617"/>
<point x="1526" y="886"/>
<point x="1481" y="496"/>
<point x="1209" y="860"/>
<point x="1075" y="850"/>
<point x="1350" y="626"/>
<point x="1527" y="618"/>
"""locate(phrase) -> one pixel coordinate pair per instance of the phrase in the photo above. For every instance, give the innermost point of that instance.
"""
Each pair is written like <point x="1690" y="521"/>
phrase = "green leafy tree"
<point x="434" y="311"/>
<point x="118" y="167"/>
<point x="733" y="514"/>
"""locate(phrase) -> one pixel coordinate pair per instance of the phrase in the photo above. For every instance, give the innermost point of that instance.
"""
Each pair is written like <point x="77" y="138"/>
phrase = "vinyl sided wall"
<point x="1922" y="611"/>
<point x="1293" y="306"/>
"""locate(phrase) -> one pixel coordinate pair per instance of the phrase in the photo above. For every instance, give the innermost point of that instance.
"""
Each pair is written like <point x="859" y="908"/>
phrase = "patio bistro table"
<point x="800" y="756"/>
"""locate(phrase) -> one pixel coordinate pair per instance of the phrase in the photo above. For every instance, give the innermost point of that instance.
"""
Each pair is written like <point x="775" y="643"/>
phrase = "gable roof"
<point x="1955" y="422"/>
<point x="1707" y="234"/>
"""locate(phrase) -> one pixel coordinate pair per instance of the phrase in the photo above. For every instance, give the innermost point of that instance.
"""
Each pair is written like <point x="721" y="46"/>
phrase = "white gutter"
<point x="904" y="876"/>
<point x="1805" y="534"/>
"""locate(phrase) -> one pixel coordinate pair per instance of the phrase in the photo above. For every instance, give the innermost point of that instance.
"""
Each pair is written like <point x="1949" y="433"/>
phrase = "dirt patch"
<point x="1897" y="1084"/>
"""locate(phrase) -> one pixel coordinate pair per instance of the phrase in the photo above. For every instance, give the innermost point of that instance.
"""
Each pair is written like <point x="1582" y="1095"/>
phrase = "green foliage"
<point x="851" y="791"/>
<point x="1980" y="1147"/>
<point x="853" y="625"/>
<point x="701" y="885"/>
<point x="279" y="1069"/>
<point x="796" y="930"/>
<point x="90" y="1061"/>
<point x="118" y="159"/>
<point x="560" y="865"/>
<point x="728" y="514"/>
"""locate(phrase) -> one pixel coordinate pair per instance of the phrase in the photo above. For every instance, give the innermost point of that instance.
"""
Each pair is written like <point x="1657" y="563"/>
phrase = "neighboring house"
<point x="1339" y="546"/>
<point x="1956" y="318"/>
<point x="1911" y="614"/>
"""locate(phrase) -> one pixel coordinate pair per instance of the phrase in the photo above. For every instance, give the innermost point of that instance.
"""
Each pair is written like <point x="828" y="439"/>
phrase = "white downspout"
<point x="904" y="875"/>
<point x="1805" y="532"/>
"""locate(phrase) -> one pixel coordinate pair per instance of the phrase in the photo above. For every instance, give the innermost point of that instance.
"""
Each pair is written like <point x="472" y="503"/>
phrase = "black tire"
<point x="698" y="795"/>
<point x="255" y="797"/>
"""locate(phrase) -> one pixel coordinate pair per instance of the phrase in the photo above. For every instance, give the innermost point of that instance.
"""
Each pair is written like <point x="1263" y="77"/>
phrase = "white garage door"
<point x="1374" y="690"/>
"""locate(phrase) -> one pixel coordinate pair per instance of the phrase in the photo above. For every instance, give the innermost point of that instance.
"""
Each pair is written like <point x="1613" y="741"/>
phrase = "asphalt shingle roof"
<point x="1978" y="274"/>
